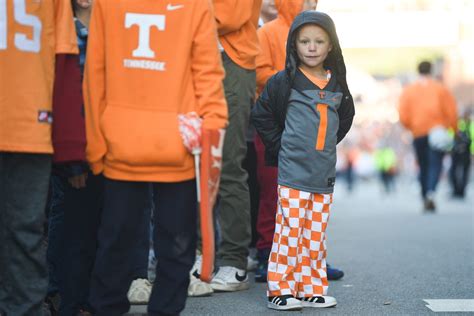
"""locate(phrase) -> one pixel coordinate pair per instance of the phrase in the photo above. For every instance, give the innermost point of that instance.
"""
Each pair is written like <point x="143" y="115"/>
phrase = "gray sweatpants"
<point x="234" y="199"/>
<point x="24" y="182"/>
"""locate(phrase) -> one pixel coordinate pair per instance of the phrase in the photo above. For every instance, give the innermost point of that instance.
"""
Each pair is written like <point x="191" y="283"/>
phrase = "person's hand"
<point x="78" y="182"/>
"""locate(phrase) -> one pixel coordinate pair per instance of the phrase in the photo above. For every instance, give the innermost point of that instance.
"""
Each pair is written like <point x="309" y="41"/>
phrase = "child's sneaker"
<point x="318" y="301"/>
<point x="284" y="303"/>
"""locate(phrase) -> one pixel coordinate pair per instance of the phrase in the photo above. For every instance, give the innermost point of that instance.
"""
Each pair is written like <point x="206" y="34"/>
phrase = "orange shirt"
<point x="237" y="23"/>
<point x="321" y="83"/>
<point x="31" y="33"/>
<point x="147" y="62"/>
<point x="272" y="37"/>
<point x="426" y="104"/>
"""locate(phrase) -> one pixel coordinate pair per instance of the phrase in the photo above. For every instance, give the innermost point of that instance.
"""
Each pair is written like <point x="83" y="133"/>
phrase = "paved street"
<point x="394" y="256"/>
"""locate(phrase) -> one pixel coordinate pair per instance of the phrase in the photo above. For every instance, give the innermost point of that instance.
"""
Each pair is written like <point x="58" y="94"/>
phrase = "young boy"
<point x="303" y="112"/>
<point x="148" y="62"/>
<point x="272" y="37"/>
<point x="31" y="34"/>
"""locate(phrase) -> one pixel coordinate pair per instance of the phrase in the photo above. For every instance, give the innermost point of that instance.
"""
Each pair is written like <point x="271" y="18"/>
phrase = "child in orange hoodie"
<point x="136" y="85"/>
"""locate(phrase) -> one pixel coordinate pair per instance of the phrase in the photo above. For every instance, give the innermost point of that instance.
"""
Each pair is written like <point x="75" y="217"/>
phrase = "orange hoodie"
<point x="272" y="37"/>
<point x="31" y="33"/>
<point x="149" y="61"/>
<point x="426" y="104"/>
<point x="237" y="23"/>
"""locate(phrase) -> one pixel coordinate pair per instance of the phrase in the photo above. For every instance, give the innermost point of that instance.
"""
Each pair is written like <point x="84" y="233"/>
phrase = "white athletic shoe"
<point x="319" y="301"/>
<point x="284" y="303"/>
<point x="230" y="279"/>
<point x="196" y="286"/>
<point x="139" y="292"/>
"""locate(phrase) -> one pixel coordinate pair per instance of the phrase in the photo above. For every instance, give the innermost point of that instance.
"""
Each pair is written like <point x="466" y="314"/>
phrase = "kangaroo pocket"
<point x="142" y="138"/>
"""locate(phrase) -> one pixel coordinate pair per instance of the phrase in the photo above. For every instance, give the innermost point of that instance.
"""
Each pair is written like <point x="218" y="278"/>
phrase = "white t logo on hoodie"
<point x="145" y="22"/>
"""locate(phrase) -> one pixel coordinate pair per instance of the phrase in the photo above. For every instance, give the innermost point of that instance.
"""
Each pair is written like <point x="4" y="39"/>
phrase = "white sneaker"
<point x="319" y="301"/>
<point x="196" y="286"/>
<point x="284" y="303"/>
<point x="230" y="279"/>
<point x="139" y="292"/>
<point x="251" y="264"/>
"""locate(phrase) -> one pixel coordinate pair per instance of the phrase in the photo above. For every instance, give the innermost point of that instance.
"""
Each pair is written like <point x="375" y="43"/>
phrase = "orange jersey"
<point x="272" y="37"/>
<point x="147" y="62"/>
<point x="426" y="104"/>
<point x="31" y="33"/>
<point x="237" y="23"/>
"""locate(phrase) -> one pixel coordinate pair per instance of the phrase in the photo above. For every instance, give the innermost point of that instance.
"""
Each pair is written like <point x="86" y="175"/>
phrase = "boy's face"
<point x="310" y="5"/>
<point x="312" y="46"/>
<point x="84" y="4"/>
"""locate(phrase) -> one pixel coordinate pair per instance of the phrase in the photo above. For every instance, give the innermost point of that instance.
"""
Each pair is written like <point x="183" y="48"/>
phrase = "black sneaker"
<point x="318" y="301"/>
<point x="334" y="273"/>
<point x="284" y="303"/>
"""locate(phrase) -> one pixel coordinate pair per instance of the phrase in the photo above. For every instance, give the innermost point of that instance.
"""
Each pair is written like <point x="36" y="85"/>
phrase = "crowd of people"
<point x="90" y="132"/>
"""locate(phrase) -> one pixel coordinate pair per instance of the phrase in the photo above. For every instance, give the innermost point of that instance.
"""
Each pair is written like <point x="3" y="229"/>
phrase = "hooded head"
<point x="289" y="9"/>
<point x="334" y="61"/>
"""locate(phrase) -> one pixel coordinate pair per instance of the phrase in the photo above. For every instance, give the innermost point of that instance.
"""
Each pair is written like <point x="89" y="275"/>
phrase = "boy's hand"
<point x="78" y="182"/>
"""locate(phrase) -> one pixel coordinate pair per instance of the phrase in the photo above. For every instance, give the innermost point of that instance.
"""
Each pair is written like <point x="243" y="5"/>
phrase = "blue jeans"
<point x="430" y="162"/>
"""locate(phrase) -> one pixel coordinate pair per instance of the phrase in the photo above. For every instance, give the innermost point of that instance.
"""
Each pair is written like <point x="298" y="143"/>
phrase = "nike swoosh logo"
<point x="174" y="7"/>
<point x="240" y="278"/>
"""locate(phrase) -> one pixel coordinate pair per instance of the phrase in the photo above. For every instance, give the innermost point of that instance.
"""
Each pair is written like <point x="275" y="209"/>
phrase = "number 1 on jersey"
<point x="323" y="125"/>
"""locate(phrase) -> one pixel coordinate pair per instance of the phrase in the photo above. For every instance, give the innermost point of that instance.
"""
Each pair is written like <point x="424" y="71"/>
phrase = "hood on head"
<point x="289" y="9"/>
<point x="334" y="61"/>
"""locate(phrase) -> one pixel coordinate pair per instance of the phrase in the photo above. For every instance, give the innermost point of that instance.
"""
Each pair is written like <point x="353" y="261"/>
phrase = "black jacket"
<point x="269" y="113"/>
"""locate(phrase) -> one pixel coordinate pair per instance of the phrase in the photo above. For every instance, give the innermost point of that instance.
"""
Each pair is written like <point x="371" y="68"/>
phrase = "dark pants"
<point x="250" y="165"/>
<point x="126" y="209"/>
<point x="234" y="202"/>
<point x="55" y="232"/>
<point x="459" y="172"/>
<point x="82" y="209"/>
<point x="268" y="181"/>
<point x="23" y="191"/>
<point x="73" y="225"/>
<point x="430" y="162"/>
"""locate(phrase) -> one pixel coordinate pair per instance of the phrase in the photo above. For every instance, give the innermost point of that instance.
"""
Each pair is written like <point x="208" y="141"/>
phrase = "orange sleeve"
<point x="231" y="15"/>
<point x="403" y="109"/>
<point x="207" y="70"/>
<point x="66" y="39"/>
<point x="265" y="64"/>
<point x="449" y="109"/>
<point x="94" y="89"/>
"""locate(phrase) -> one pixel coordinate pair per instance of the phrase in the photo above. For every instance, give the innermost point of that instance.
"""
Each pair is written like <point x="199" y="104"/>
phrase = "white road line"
<point x="450" y="305"/>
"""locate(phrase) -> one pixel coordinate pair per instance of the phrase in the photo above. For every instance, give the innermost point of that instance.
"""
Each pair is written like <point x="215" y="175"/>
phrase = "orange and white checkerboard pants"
<point x="297" y="263"/>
